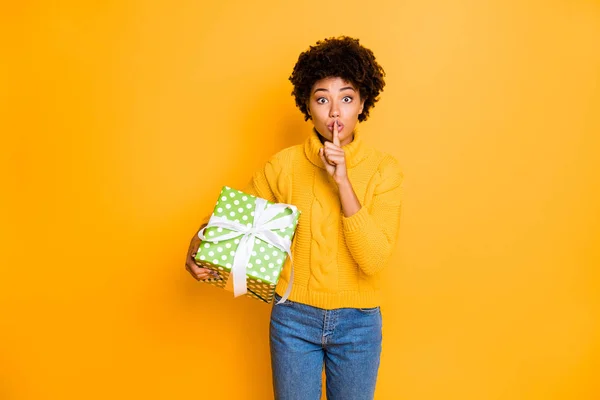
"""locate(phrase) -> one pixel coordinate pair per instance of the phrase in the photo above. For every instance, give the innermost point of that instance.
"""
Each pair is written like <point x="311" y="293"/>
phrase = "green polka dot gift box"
<point x="246" y="243"/>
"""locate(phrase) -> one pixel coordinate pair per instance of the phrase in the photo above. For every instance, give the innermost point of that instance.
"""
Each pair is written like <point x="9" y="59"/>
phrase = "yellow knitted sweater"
<point x="337" y="260"/>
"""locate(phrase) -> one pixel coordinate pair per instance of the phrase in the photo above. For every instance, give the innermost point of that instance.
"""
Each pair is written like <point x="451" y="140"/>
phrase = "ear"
<point x="362" y="105"/>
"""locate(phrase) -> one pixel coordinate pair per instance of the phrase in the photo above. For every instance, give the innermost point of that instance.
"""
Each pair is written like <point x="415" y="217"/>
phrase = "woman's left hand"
<point x="334" y="158"/>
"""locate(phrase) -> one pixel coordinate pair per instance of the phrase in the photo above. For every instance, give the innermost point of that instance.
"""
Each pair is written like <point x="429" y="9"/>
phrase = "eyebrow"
<point x="325" y="90"/>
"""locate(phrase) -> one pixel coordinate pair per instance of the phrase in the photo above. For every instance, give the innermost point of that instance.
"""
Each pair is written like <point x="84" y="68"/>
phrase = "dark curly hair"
<point x="342" y="57"/>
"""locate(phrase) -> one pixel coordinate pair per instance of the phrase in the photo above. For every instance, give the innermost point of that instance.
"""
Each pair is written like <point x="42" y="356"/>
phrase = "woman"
<point x="350" y="197"/>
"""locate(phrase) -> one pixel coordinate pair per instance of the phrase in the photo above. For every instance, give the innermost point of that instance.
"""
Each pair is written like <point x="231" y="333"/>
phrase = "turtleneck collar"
<point x="355" y="151"/>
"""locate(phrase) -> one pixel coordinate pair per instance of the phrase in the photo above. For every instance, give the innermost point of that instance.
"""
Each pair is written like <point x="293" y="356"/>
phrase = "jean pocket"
<point x="371" y="310"/>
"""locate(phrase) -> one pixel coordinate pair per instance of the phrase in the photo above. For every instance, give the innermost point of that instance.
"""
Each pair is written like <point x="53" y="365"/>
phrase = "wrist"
<point x="344" y="181"/>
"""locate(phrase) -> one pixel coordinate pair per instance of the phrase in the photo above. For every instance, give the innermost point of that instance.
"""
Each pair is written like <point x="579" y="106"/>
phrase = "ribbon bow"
<point x="262" y="228"/>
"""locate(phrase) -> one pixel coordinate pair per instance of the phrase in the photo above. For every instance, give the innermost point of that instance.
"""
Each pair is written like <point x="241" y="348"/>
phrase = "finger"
<point x="206" y="274"/>
<point x="189" y="269"/>
<point x="336" y="134"/>
<point x="322" y="155"/>
<point x="331" y="145"/>
<point x="208" y="271"/>
<point x="326" y="159"/>
<point x="333" y="150"/>
<point x="200" y="273"/>
<point x="212" y="275"/>
<point x="335" y="160"/>
<point x="193" y="268"/>
<point x="328" y="153"/>
<point x="195" y="276"/>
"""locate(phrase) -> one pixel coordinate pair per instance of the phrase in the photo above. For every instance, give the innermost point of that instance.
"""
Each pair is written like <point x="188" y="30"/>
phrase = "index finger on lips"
<point x="336" y="133"/>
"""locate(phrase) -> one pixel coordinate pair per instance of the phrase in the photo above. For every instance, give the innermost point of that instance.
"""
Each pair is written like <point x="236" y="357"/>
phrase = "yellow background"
<point x="121" y="120"/>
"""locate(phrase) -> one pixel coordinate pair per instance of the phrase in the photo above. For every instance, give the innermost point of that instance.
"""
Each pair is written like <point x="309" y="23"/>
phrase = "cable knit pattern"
<point x="324" y="221"/>
<point x="336" y="259"/>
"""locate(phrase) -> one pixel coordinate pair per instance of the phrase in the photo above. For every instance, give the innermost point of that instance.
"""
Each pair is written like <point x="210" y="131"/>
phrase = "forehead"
<point x="332" y="84"/>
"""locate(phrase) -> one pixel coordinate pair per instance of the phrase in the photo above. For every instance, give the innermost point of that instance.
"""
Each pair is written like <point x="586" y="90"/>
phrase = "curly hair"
<point x="342" y="57"/>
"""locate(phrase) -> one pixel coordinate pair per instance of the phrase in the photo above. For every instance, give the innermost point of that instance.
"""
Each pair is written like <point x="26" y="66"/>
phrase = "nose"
<point x="334" y="112"/>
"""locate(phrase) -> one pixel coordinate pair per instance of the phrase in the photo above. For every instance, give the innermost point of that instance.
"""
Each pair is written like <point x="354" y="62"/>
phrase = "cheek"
<point x="352" y="108"/>
<point x="319" y="117"/>
<point x="355" y="112"/>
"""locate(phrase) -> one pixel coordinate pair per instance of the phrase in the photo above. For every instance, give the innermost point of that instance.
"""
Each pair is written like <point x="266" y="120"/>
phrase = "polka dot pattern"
<point x="266" y="262"/>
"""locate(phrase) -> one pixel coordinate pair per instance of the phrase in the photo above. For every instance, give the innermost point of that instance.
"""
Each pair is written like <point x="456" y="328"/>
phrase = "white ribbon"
<point x="262" y="228"/>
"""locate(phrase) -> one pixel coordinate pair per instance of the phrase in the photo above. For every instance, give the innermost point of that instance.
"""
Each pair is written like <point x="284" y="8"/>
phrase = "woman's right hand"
<point x="197" y="272"/>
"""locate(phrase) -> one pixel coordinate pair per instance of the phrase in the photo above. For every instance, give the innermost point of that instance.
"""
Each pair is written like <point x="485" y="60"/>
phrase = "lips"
<point x="340" y="127"/>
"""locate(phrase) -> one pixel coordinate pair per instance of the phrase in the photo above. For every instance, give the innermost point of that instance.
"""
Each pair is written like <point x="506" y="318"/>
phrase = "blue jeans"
<point x="346" y="340"/>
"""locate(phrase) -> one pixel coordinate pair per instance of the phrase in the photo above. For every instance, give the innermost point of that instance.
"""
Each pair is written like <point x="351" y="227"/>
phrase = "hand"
<point x="197" y="272"/>
<point x="334" y="158"/>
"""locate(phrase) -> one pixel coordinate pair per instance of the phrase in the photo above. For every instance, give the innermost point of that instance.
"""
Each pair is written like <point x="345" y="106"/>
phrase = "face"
<point x="334" y="99"/>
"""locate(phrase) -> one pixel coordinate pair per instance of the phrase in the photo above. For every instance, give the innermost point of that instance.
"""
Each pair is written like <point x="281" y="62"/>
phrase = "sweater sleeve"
<point x="371" y="233"/>
<point x="270" y="181"/>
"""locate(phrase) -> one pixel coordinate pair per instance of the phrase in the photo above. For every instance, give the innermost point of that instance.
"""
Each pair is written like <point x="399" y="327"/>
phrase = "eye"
<point x="347" y="99"/>
<point x="321" y="100"/>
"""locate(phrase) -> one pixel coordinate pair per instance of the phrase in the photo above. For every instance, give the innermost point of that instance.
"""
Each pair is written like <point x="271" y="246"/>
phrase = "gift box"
<point x="246" y="243"/>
